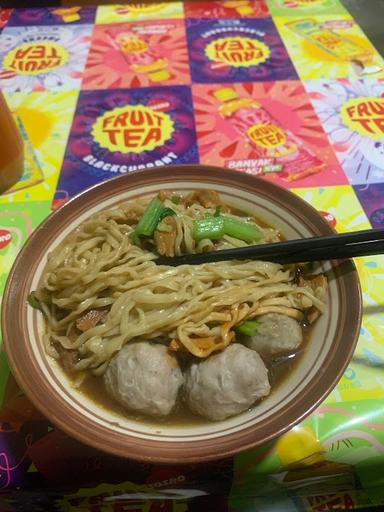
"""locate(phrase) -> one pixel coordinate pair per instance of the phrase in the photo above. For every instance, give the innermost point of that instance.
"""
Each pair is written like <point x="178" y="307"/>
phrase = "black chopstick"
<point x="338" y="246"/>
<point x="332" y="253"/>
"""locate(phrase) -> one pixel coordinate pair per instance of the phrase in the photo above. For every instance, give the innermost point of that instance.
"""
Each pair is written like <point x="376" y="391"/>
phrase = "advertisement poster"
<point x="17" y="221"/>
<point x="371" y="198"/>
<point x="343" y="457"/>
<point x="233" y="50"/>
<point x="139" y="11"/>
<point x="118" y="131"/>
<point x="43" y="58"/>
<point x="137" y="55"/>
<point x="226" y="9"/>
<point x="46" y="118"/>
<point x="52" y="16"/>
<point x="269" y="130"/>
<point x="303" y="7"/>
<point x="329" y="46"/>
<point x="362" y="379"/>
<point x="352" y="114"/>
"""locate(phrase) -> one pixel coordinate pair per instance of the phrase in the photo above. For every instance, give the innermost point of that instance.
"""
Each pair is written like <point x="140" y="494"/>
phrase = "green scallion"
<point x="242" y="230"/>
<point x="217" y="211"/>
<point x="167" y="212"/>
<point x="211" y="228"/>
<point x="149" y="220"/>
<point x="248" y="327"/>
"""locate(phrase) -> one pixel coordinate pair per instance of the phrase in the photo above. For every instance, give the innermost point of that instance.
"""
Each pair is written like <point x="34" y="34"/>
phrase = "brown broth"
<point x="279" y="369"/>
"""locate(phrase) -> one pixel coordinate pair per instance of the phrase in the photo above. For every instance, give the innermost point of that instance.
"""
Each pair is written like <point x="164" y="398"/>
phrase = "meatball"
<point x="227" y="383"/>
<point x="276" y="334"/>
<point x="145" y="378"/>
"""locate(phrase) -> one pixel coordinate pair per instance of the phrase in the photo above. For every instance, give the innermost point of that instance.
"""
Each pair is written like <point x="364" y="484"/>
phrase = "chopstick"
<point x="339" y="246"/>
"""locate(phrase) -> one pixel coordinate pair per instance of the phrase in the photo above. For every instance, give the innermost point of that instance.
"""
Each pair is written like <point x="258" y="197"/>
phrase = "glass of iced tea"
<point x="11" y="148"/>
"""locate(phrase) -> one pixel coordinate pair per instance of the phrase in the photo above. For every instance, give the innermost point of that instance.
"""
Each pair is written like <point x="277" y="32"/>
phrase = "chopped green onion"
<point x="150" y="219"/>
<point x="167" y="212"/>
<point x="135" y="238"/>
<point x="211" y="228"/>
<point x="242" y="230"/>
<point x="34" y="301"/>
<point x="248" y="327"/>
<point x="217" y="211"/>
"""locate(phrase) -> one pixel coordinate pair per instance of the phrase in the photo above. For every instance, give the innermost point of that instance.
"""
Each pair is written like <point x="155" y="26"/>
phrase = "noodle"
<point x="97" y="266"/>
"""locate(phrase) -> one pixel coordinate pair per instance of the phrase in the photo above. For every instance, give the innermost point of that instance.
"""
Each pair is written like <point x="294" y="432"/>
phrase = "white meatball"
<point x="145" y="378"/>
<point x="227" y="383"/>
<point x="276" y="334"/>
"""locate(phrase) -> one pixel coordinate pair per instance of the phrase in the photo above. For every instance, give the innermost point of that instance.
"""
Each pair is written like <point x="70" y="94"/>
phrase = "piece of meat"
<point x="68" y="358"/>
<point x="90" y="319"/>
<point x="207" y="198"/>
<point x="164" y="194"/>
<point x="164" y="240"/>
<point x="144" y="377"/>
<point x="227" y="383"/>
<point x="276" y="334"/>
<point x="131" y="218"/>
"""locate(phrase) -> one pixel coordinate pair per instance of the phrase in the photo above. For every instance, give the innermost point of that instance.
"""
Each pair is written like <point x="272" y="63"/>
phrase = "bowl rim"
<point x="178" y="452"/>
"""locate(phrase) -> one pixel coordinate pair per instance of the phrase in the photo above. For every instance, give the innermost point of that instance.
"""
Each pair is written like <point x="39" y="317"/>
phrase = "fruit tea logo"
<point x="237" y="51"/>
<point x="35" y="58"/>
<point x="266" y="135"/>
<point x="365" y="116"/>
<point x="132" y="129"/>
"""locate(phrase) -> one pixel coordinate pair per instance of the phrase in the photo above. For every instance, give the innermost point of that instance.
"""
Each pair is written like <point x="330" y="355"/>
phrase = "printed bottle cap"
<point x="68" y="14"/>
<point x="159" y="76"/>
<point x="298" y="445"/>
<point x="69" y="18"/>
<point x="225" y="94"/>
<point x="244" y="10"/>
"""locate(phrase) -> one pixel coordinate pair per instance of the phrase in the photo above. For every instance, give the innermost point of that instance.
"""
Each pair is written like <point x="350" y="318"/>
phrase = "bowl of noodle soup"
<point x="172" y="364"/>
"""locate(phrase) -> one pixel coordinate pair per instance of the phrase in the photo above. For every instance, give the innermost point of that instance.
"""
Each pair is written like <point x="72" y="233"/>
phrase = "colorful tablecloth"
<point x="103" y="91"/>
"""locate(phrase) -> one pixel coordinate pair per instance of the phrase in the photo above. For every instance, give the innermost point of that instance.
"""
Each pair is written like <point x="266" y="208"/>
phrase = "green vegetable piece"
<point x="134" y="238"/>
<point x="242" y="230"/>
<point x="167" y="212"/>
<point x="34" y="302"/>
<point x="217" y="211"/>
<point x="211" y="228"/>
<point x="248" y="327"/>
<point x="176" y="199"/>
<point x="150" y="218"/>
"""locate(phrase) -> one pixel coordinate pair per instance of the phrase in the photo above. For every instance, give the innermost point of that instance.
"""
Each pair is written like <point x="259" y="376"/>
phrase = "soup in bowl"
<point x="177" y="364"/>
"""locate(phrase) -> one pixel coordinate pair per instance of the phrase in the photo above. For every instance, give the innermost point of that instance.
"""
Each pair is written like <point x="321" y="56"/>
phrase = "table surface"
<point x="322" y="85"/>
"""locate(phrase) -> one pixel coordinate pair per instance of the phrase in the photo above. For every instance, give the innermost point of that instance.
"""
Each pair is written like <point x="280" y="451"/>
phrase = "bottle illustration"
<point x="266" y="136"/>
<point x="68" y="14"/>
<point x="242" y="7"/>
<point x="140" y="56"/>
<point x="32" y="174"/>
<point x="339" y="46"/>
<point x="306" y="467"/>
<point x="11" y="148"/>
